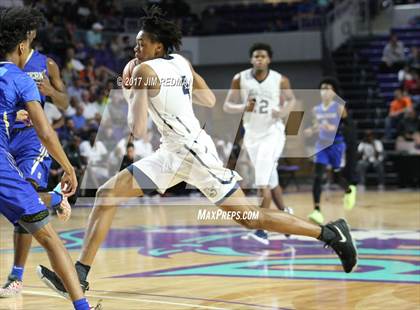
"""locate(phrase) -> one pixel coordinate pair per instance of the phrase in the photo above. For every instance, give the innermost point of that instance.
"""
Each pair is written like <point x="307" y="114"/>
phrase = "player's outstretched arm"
<point x="54" y="87"/>
<point x="137" y="107"/>
<point x="50" y="140"/>
<point x="233" y="99"/>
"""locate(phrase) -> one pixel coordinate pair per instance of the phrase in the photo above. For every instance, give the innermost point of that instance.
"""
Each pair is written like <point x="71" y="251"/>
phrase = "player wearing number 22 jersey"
<point x="258" y="92"/>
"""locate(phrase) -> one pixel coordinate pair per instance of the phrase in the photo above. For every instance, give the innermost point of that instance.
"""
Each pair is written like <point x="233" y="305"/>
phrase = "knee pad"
<point x="34" y="222"/>
<point x="20" y="230"/>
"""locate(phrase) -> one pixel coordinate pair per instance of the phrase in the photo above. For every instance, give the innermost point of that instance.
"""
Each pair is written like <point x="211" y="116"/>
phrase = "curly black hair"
<point x="15" y="24"/>
<point x="330" y="80"/>
<point x="261" y="46"/>
<point x="161" y="30"/>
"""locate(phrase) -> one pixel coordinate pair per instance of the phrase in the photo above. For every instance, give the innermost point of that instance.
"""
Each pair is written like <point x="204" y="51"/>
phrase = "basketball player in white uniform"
<point x="186" y="152"/>
<point x="257" y="93"/>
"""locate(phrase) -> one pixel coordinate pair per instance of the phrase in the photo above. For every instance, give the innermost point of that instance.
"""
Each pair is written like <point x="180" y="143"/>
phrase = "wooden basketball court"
<point x="162" y="257"/>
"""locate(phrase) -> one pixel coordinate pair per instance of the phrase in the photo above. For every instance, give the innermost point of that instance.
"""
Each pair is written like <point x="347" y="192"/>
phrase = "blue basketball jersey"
<point x="329" y="115"/>
<point x="16" y="89"/>
<point x="17" y="196"/>
<point x="35" y="66"/>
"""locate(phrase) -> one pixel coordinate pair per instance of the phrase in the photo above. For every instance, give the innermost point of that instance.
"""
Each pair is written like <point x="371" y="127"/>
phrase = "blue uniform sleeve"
<point x="28" y="91"/>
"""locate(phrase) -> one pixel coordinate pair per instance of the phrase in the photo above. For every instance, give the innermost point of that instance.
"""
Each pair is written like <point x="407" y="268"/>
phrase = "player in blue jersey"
<point x="30" y="155"/>
<point x="19" y="202"/>
<point x="330" y="118"/>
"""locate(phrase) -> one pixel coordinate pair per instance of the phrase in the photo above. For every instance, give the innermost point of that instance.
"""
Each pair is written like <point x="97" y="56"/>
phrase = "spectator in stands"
<point x="94" y="36"/>
<point x="404" y="74"/>
<point x="409" y="125"/>
<point x="414" y="59"/>
<point x="76" y="89"/>
<point x="78" y="119"/>
<point x="128" y="158"/>
<point x="68" y="131"/>
<point x="93" y="154"/>
<point x="398" y="107"/>
<point x="73" y="154"/>
<point x="88" y="75"/>
<point x="411" y="83"/>
<point x="393" y="57"/>
<point x="71" y="62"/>
<point x="90" y="105"/>
<point x="54" y="116"/>
<point x="371" y="152"/>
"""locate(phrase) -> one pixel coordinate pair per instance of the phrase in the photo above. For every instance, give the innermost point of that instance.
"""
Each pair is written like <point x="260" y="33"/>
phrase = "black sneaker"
<point x="260" y="236"/>
<point x="343" y="244"/>
<point x="54" y="282"/>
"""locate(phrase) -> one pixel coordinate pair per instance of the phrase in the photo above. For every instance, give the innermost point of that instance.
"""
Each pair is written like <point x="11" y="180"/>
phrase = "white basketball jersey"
<point x="171" y="110"/>
<point x="267" y="94"/>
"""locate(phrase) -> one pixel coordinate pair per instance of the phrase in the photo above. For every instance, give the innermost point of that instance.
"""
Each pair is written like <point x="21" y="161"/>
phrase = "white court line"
<point x="127" y="299"/>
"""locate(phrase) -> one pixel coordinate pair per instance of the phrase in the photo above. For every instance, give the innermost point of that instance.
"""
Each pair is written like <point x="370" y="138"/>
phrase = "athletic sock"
<point x="17" y="272"/>
<point x="317" y="207"/>
<point x="82" y="270"/>
<point x="81" y="304"/>
<point x="327" y="234"/>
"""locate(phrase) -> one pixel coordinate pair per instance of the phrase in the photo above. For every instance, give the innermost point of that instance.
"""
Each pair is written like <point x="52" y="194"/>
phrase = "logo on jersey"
<point x="36" y="76"/>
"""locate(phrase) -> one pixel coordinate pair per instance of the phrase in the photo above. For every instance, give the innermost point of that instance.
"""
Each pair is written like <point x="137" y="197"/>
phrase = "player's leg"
<point x="115" y="191"/>
<point x="261" y="160"/>
<point x="22" y="241"/>
<point x="336" y="154"/>
<point x="316" y="215"/>
<point x="335" y="234"/>
<point x="128" y="183"/>
<point x="20" y="203"/>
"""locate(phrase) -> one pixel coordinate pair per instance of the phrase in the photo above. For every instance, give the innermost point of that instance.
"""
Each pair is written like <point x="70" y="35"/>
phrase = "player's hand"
<point x="328" y="127"/>
<point x="23" y="116"/>
<point x="44" y="86"/>
<point x="69" y="183"/>
<point x="308" y="132"/>
<point x="250" y="104"/>
<point x="64" y="210"/>
<point x="275" y="113"/>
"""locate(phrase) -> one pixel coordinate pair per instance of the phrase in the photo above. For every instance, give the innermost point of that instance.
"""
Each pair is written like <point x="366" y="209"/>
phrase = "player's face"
<point x="147" y="49"/>
<point x="327" y="92"/>
<point x="260" y="60"/>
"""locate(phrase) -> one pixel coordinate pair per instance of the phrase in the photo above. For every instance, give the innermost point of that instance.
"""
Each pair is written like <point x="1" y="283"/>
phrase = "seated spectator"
<point x="71" y="110"/>
<point x="73" y="154"/>
<point x="68" y="131"/>
<point x="76" y="89"/>
<point x="411" y="83"/>
<point x="90" y="105"/>
<point x="71" y="62"/>
<point x="409" y="125"/>
<point x="94" y="36"/>
<point x="78" y="119"/>
<point x="404" y="74"/>
<point x="408" y="147"/>
<point x="371" y="153"/>
<point x="414" y="59"/>
<point x="54" y="116"/>
<point x="94" y="154"/>
<point x="128" y="158"/>
<point x="393" y="57"/>
<point x="398" y="107"/>
<point x="88" y="75"/>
